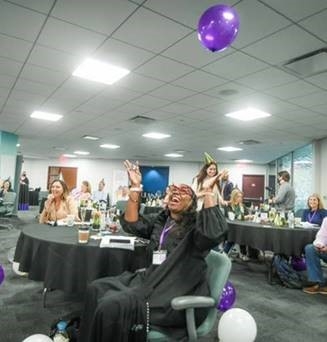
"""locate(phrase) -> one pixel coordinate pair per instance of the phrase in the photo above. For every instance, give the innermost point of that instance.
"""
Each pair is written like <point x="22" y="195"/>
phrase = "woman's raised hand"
<point x="134" y="173"/>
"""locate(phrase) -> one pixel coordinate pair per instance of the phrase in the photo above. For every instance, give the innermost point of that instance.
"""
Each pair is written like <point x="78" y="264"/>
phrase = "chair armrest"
<point x="186" y="302"/>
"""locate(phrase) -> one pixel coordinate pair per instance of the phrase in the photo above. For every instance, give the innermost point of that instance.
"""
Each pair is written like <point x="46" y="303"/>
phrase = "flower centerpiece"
<point x="96" y="220"/>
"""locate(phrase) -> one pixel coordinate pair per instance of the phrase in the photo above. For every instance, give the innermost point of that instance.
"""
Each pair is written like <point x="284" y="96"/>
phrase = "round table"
<point x="54" y="256"/>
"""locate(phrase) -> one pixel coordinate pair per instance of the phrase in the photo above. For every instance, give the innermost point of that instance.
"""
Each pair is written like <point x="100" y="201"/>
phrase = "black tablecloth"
<point x="288" y="241"/>
<point x="33" y="197"/>
<point x="53" y="255"/>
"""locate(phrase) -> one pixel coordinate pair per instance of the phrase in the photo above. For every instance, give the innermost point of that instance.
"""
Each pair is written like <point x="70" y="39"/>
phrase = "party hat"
<point x="208" y="159"/>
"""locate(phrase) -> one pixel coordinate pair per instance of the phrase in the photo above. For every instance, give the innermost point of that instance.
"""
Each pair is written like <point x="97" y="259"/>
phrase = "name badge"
<point x="159" y="257"/>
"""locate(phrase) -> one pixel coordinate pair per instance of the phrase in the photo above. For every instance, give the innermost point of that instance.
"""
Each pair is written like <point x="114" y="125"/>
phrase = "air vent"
<point x="142" y="120"/>
<point x="310" y="64"/>
<point x="249" y="142"/>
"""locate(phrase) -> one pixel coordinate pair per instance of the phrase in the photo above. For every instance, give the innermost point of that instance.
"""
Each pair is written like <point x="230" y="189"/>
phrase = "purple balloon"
<point x="298" y="263"/>
<point x="2" y="274"/>
<point x="227" y="298"/>
<point x="218" y="27"/>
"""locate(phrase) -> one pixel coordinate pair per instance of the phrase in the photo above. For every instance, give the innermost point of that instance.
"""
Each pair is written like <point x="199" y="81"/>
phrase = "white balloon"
<point x="237" y="325"/>
<point x="15" y="268"/>
<point x="38" y="338"/>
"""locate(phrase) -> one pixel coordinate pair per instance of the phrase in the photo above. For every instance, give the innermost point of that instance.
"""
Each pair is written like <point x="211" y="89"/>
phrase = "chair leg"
<point x="190" y="323"/>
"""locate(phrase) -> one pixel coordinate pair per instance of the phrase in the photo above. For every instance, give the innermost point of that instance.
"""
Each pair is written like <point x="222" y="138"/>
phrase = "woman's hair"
<point x="4" y="182"/>
<point x="285" y="175"/>
<point x="64" y="187"/>
<point x="233" y="196"/>
<point x="320" y="201"/>
<point x="203" y="172"/>
<point x="88" y="186"/>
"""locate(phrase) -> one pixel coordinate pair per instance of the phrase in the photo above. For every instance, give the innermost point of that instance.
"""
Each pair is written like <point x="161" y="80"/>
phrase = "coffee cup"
<point x="231" y="215"/>
<point x="83" y="234"/>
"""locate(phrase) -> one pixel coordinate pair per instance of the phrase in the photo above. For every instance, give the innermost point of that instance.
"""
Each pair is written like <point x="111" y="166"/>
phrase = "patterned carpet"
<point x="282" y="315"/>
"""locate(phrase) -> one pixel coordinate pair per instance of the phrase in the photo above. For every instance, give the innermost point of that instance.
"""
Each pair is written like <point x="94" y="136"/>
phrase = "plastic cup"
<point x="231" y="215"/>
<point x="83" y="234"/>
<point x="70" y="220"/>
<point x="297" y="221"/>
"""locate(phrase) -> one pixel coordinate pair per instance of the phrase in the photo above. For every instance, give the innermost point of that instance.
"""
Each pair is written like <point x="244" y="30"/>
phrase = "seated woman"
<point x="240" y="212"/>
<point x="316" y="211"/>
<point x="6" y="187"/>
<point x="123" y="308"/>
<point x="314" y="253"/>
<point x="59" y="204"/>
<point x="85" y="192"/>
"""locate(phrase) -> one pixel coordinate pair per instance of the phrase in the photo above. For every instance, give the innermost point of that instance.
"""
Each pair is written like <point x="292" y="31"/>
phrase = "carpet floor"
<point x="281" y="314"/>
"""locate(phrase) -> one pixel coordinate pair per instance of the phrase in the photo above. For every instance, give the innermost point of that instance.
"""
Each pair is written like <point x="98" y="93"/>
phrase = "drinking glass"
<point x="83" y="214"/>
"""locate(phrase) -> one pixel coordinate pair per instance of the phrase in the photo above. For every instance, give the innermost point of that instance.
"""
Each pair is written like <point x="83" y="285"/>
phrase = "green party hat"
<point x="208" y="159"/>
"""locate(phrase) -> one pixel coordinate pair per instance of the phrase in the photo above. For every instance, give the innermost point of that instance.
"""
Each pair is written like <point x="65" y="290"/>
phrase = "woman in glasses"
<point x="123" y="308"/>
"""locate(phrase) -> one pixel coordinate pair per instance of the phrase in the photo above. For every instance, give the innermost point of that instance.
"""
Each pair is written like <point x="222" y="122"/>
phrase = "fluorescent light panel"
<point x="248" y="114"/>
<point x="229" y="149"/>
<point x="67" y="155"/>
<point x="243" y="161"/>
<point x="90" y="137"/>
<point x="45" y="116"/>
<point x="110" y="146"/>
<point x="155" y="135"/>
<point x="174" y="155"/>
<point x="97" y="71"/>
<point x="82" y="153"/>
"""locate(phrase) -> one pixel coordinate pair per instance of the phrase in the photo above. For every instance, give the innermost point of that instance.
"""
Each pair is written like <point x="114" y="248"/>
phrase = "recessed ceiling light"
<point x="248" y="114"/>
<point x="90" y="137"/>
<point x="82" y="153"/>
<point x="45" y="116"/>
<point x="17" y="145"/>
<point x="111" y="146"/>
<point x="67" y="155"/>
<point x="154" y="135"/>
<point x="97" y="71"/>
<point x="243" y="161"/>
<point x="229" y="149"/>
<point x="174" y="155"/>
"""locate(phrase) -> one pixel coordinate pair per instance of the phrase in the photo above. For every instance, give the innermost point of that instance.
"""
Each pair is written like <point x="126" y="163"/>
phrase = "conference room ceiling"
<point x="186" y="89"/>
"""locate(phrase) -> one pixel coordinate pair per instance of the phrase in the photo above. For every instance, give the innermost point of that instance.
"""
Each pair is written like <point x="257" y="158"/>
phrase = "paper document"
<point x="118" y="241"/>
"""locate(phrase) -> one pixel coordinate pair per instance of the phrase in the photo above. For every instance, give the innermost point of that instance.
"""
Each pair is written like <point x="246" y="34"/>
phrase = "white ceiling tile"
<point x="199" y="81"/>
<point x="297" y="9"/>
<point x="139" y="83"/>
<point x="284" y="45"/>
<point x="43" y="75"/>
<point x="56" y="105"/>
<point x="54" y="59"/>
<point x="201" y="101"/>
<point x="294" y="89"/>
<point x="196" y="55"/>
<point x="133" y="109"/>
<point x="7" y="81"/>
<point x="187" y="12"/>
<point x="160" y="115"/>
<point x="97" y="15"/>
<point x="9" y="67"/>
<point x="310" y="100"/>
<point x="23" y="96"/>
<point x="235" y="65"/>
<point x="150" y="101"/>
<point x="34" y="87"/>
<point x="240" y="91"/>
<point x="172" y="93"/>
<point x="4" y="92"/>
<point x="43" y="6"/>
<point x="150" y="31"/>
<point x="267" y="78"/>
<point x="13" y="48"/>
<point x="319" y="80"/>
<point x="163" y="69"/>
<point x="320" y="109"/>
<point x="118" y="93"/>
<point x="317" y="24"/>
<point x="122" y="54"/>
<point x="256" y="22"/>
<point x="178" y="108"/>
<point x="11" y="17"/>
<point x="69" y="38"/>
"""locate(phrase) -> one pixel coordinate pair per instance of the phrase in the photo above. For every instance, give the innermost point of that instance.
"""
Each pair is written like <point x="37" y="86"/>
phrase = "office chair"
<point x="219" y="267"/>
<point x="6" y="210"/>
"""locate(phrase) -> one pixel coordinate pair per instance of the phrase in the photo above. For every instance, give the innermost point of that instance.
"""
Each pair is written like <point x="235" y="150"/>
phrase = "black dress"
<point x="121" y="308"/>
<point x="23" y="194"/>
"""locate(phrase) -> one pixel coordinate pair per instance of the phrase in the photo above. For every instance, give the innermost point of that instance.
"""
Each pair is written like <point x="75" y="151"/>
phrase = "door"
<point x="253" y="188"/>
<point x="67" y="174"/>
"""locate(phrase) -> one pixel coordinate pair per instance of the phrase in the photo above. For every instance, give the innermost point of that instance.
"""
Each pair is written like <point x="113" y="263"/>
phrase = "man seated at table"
<point x="100" y="195"/>
<point x="123" y="308"/>
<point x="59" y="204"/>
<point x="314" y="253"/>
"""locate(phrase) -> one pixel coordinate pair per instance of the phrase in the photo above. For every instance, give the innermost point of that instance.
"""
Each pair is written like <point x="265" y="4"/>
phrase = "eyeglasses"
<point x="182" y="189"/>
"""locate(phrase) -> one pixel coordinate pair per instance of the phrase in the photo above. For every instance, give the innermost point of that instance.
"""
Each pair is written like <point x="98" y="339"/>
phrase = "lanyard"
<point x="164" y="233"/>
<point x="310" y="217"/>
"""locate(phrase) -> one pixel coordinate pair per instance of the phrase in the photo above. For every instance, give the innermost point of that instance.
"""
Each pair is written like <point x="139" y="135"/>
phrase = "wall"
<point x="94" y="170"/>
<point x="8" y="151"/>
<point x="320" y="163"/>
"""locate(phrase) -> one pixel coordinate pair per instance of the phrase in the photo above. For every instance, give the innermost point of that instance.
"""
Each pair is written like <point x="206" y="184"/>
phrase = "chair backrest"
<point x="121" y="205"/>
<point x="219" y="267"/>
<point x="299" y="213"/>
<point x="9" y="197"/>
<point x="8" y="203"/>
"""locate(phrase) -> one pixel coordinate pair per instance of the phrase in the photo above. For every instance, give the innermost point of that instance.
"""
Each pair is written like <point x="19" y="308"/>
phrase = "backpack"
<point x="287" y="275"/>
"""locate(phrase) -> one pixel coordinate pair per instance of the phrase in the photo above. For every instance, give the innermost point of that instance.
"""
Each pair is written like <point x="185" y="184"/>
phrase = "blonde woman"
<point x="316" y="211"/>
<point x="59" y="204"/>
